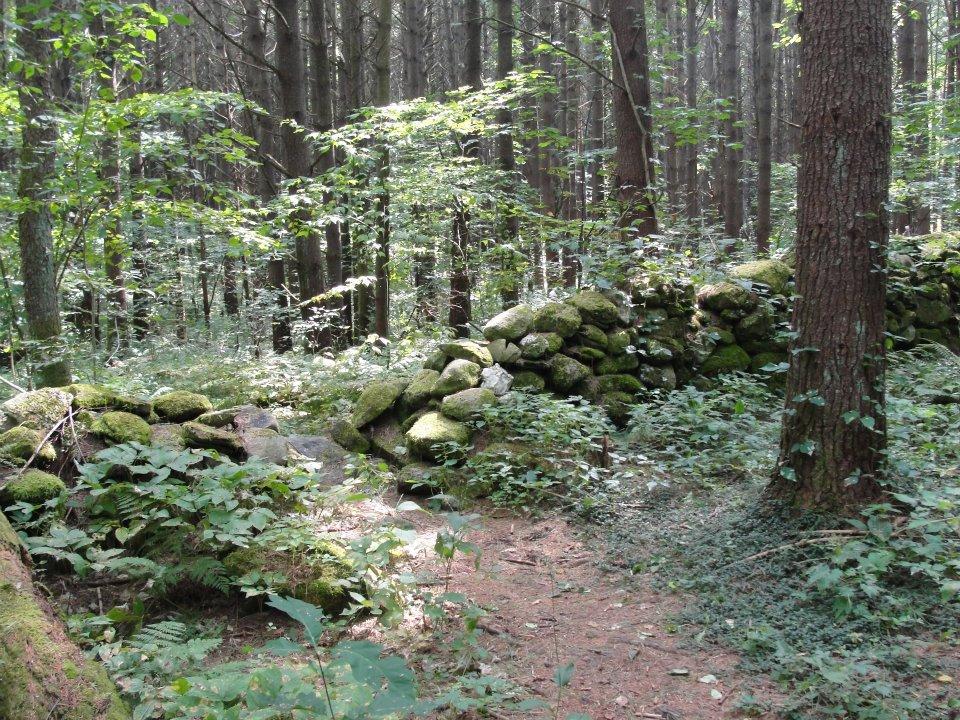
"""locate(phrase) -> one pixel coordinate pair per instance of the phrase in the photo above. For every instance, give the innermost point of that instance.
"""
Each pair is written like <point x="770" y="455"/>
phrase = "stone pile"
<point x="923" y="291"/>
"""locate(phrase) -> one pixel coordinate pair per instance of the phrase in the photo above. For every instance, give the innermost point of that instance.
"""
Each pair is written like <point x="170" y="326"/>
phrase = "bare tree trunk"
<point x="509" y="230"/>
<point x="763" y="10"/>
<point x="693" y="46"/>
<point x="730" y="59"/>
<point x="921" y="215"/>
<point x="597" y="102"/>
<point x="381" y="98"/>
<point x="832" y="451"/>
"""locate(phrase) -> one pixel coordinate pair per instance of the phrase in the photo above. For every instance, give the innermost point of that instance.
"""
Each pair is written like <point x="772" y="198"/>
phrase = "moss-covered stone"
<point x="585" y="354"/>
<point x="387" y="441"/>
<point x="592" y="336"/>
<point x="566" y="373"/>
<point x="503" y="352"/>
<point x="376" y="398"/>
<point x="431" y="435"/>
<point x="724" y="359"/>
<point x="204" y="437"/>
<point x="467" y="403"/>
<point x="618" y="341"/>
<point x="420" y="389"/>
<point x="181" y="406"/>
<point x="468" y="350"/>
<point x="595" y="308"/>
<point x="21" y="442"/>
<point x="726" y="296"/>
<point x="408" y="423"/>
<point x="617" y="406"/>
<point x="560" y="318"/>
<point x="658" y="377"/>
<point x="619" y="383"/>
<point x="419" y="479"/>
<point x="761" y="360"/>
<point x="511" y="324"/>
<point x="436" y="361"/>
<point x="40" y="409"/>
<point x="618" y="364"/>
<point x="347" y="436"/>
<point x="773" y="274"/>
<point x="540" y="346"/>
<point x="458" y="375"/>
<point x="137" y="406"/>
<point x="224" y="417"/>
<point x="121" y="427"/>
<point x="757" y="325"/>
<point x="657" y="352"/>
<point x="719" y="335"/>
<point x="90" y="397"/>
<point x="932" y="313"/>
<point x="529" y="380"/>
<point x="168" y="435"/>
<point x="34" y="487"/>
<point x="322" y="576"/>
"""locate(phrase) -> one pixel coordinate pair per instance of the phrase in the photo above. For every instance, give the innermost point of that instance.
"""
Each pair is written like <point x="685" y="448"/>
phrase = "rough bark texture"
<point x="509" y="228"/>
<point x="43" y="675"/>
<point x="381" y="98"/>
<point x="764" y="87"/>
<point x="729" y="74"/>
<point x="690" y="162"/>
<point x="633" y="176"/>
<point x="834" y="431"/>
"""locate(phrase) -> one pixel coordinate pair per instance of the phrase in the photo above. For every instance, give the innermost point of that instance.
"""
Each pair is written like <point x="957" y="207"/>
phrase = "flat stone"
<point x="266" y="444"/>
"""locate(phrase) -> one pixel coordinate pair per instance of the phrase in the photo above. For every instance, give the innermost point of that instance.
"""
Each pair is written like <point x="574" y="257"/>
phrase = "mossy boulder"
<point x="168" y="435"/>
<point x="376" y="398"/>
<point x="387" y="441"/>
<point x="511" y="324"/>
<point x="657" y="352"/>
<point x="347" y="436"/>
<point x="468" y="350"/>
<point x="618" y="341"/>
<point x="224" y="417"/>
<point x="420" y="389"/>
<point x="566" y="373"/>
<point x="40" y="409"/>
<point x="725" y="359"/>
<point x="762" y="360"/>
<point x="90" y="397"/>
<point x="529" y="380"/>
<point x="932" y="312"/>
<point x="431" y="435"/>
<point x="618" y="383"/>
<point x="585" y="354"/>
<point x="34" y="487"/>
<point x="467" y="403"/>
<point x="595" y="308"/>
<point x="592" y="336"/>
<point x="658" y="377"/>
<point x="617" y="406"/>
<point x="539" y="346"/>
<point x="204" y="437"/>
<point x="719" y="335"/>
<point x="322" y="575"/>
<point x="21" y="442"/>
<point x="181" y="406"/>
<point x="757" y="325"/>
<point x="726" y="296"/>
<point x="618" y="364"/>
<point x="503" y="352"/>
<point x="458" y="375"/>
<point x="773" y="274"/>
<point x="560" y="318"/>
<point x="118" y="427"/>
<point x="436" y="361"/>
<point x="419" y="479"/>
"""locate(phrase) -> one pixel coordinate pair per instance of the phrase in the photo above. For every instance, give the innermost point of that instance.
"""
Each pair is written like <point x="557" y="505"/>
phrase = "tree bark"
<point x="764" y="86"/>
<point x="833" y="442"/>
<point x="509" y="231"/>
<point x="729" y="73"/>
<point x="382" y="98"/>
<point x="691" y="159"/>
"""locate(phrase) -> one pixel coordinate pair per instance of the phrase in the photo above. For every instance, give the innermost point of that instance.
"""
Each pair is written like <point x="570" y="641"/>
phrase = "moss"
<point x="467" y="403"/>
<point x="529" y="380"/>
<point x="121" y="427"/>
<point x="619" y="383"/>
<point x="757" y="325"/>
<point x="347" y="436"/>
<point x="617" y="405"/>
<point x="419" y="479"/>
<point x="659" y="352"/>
<point x="376" y="399"/>
<point x="618" y="341"/>
<point x="168" y="435"/>
<point x="458" y="375"/>
<point x="617" y="365"/>
<point x="933" y="312"/>
<point x="41" y="409"/>
<point x="538" y="346"/>
<point x="90" y="397"/>
<point x="662" y="377"/>
<point x="387" y="441"/>
<point x="137" y="406"/>
<point x="757" y="362"/>
<point x="432" y="430"/>
<point x="204" y="437"/>
<point x="436" y="361"/>
<point x="566" y="373"/>
<point x="420" y="389"/>
<point x="503" y="352"/>
<point x="726" y="296"/>
<point x="559" y="318"/>
<point x="181" y="406"/>
<point x="592" y="336"/>
<point x="34" y="487"/>
<point x="584" y="353"/>
<point x="596" y="309"/>
<point x="774" y="274"/>
<point x="222" y="418"/>
<point x="511" y="324"/>
<point x="21" y="442"/>
<point x="468" y="350"/>
<point x="727" y="358"/>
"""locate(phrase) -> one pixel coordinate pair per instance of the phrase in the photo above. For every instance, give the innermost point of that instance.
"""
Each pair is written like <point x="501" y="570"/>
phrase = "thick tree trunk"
<point x="382" y="98"/>
<point x="833" y="442"/>
<point x="729" y="74"/>
<point x="597" y="102"/>
<point x="509" y="226"/>
<point x="764" y="86"/>
<point x="35" y="223"/>
<point x="691" y="159"/>
<point x="633" y="173"/>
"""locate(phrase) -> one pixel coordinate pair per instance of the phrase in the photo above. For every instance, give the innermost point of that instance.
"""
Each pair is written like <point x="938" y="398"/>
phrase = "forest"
<point x="547" y="359"/>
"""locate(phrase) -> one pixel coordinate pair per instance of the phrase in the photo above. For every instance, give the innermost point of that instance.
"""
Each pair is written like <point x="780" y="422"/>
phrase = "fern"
<point x="160" y="635"/>
<point x="207" y="571"/>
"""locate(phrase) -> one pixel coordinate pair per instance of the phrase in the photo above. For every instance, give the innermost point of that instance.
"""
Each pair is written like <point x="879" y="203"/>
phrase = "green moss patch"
<point x="181" y="406"/>
<point x="121" y="427"/>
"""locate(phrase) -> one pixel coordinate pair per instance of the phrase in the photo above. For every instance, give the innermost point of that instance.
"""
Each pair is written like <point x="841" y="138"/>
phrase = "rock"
<point x="408" y="423"/>
<point x="378" y="397"/>
<point x="618" y="341"/>
<point x="347" y="436"/>
<point x="468" y="350"/>
<point x="168" y="435"/>
<point x="496" y="379"/>
<point x="719" y="335"/>
<point x="387" y="441"/>
<point x="504" y="353"/>
<point x="933" y="312"/>
<point x="757" y="362"/>
<point x="467" y="403"/>
<point x="419" y="479"/>
<point x="33" y="486"/>
<point x="90" y="397"/>
<point x="40" y="409"/>
<point x="588" y="388"/>
<point x="458" y="375"/>
<point x="724" y="359"/>
<point x="617" y="406"/>
<point x="595" y="309"/>
<point x="726" y="296"/>
<point x="592" y="336"/>
<point x="266" y="444"/>
<point x="773" y="274"/>
<point x="118" y="427"/>
<point x="137" y="406"/>
<point x="254" y="418"/>
<point x="619" y="383"/>
<point x="757" y="325"/>
<point x="436" y="361"/>
<point x="566" y="373"/>
<point x="511" y="324"/>
<point x="559" y="318"/>
<point x="662" y="377"/>
<point x="656" y="352"/>
<point x="420" y="389"/>
<point x="181" y="406"/>
<point x="319" y="448"/>
<point x="222" y="418"/>
<point x="21" y="442"/>
<point x="539" y="346"/>
<point x="529" y="380"/>
<point x="585" y="354"/>
<point x="432" y="435"/>
<point x="204" y="437"/>
<point x="617" y="365"/>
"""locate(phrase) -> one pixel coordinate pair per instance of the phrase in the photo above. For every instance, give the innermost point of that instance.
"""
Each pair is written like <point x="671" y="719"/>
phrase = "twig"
<point x="13" y="385"/>
<point x="40" y="446"/>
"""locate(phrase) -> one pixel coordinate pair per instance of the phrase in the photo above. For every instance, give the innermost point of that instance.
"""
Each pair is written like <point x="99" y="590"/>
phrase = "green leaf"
<point x="563" y="675"/>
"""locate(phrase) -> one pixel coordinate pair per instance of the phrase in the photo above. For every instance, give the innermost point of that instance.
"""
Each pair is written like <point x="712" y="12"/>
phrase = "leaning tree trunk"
<point x="43" y="674"/>
<point x="834" y="430"/>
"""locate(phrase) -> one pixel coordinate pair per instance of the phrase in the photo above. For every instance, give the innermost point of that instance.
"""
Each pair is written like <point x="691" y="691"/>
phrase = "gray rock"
<point x="266" y="444"/>
<point x="496" y="379"/>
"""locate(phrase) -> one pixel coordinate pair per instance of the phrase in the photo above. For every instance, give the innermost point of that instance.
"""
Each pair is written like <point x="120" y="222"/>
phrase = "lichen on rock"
<point x="774" y="274"/>
<point x="539" y="346"/>
<point x="511" y="324"/>
<point x="41" y="409"/>
<point x="468" y="350"/>
<point x="118" y="427"/>
<point x="420" y="389"/>
<point x="378" y="397"/>
<point x="467" y="403"/>
<point x="458" y="375"/>
<point x="181" y="406"/>
<point x="726" y="296"/>
<point x="21" y="442"/>
<point x="566" y="373"/>
<point x="595" y="308"/>
<point x="430" y="433"/>
<point x="560" y="318"/>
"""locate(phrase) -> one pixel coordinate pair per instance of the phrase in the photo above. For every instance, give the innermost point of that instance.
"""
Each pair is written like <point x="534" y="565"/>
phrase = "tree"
<point x="763" y="80"/>
<point x="833" y="441"/>
<point x="381" y="98"/>
<point x="509" y="232"/>
<point x="729" y="90"/>
<point x="690" y="166"/>
<point x="37" y="167"/>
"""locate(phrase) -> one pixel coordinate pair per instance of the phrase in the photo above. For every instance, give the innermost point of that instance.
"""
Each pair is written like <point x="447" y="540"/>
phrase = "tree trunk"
<point x="633" y="174"/>
<point x="597" y="102"/>
<point x="35" y="223"/>
<point x="729" y="72"/>
<point x="509" y="230"/>
<point x="691" y="160"/>
<point x="833" y="443"/>
<point x="382" y="98"/>
<point x="764" y="85"/>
